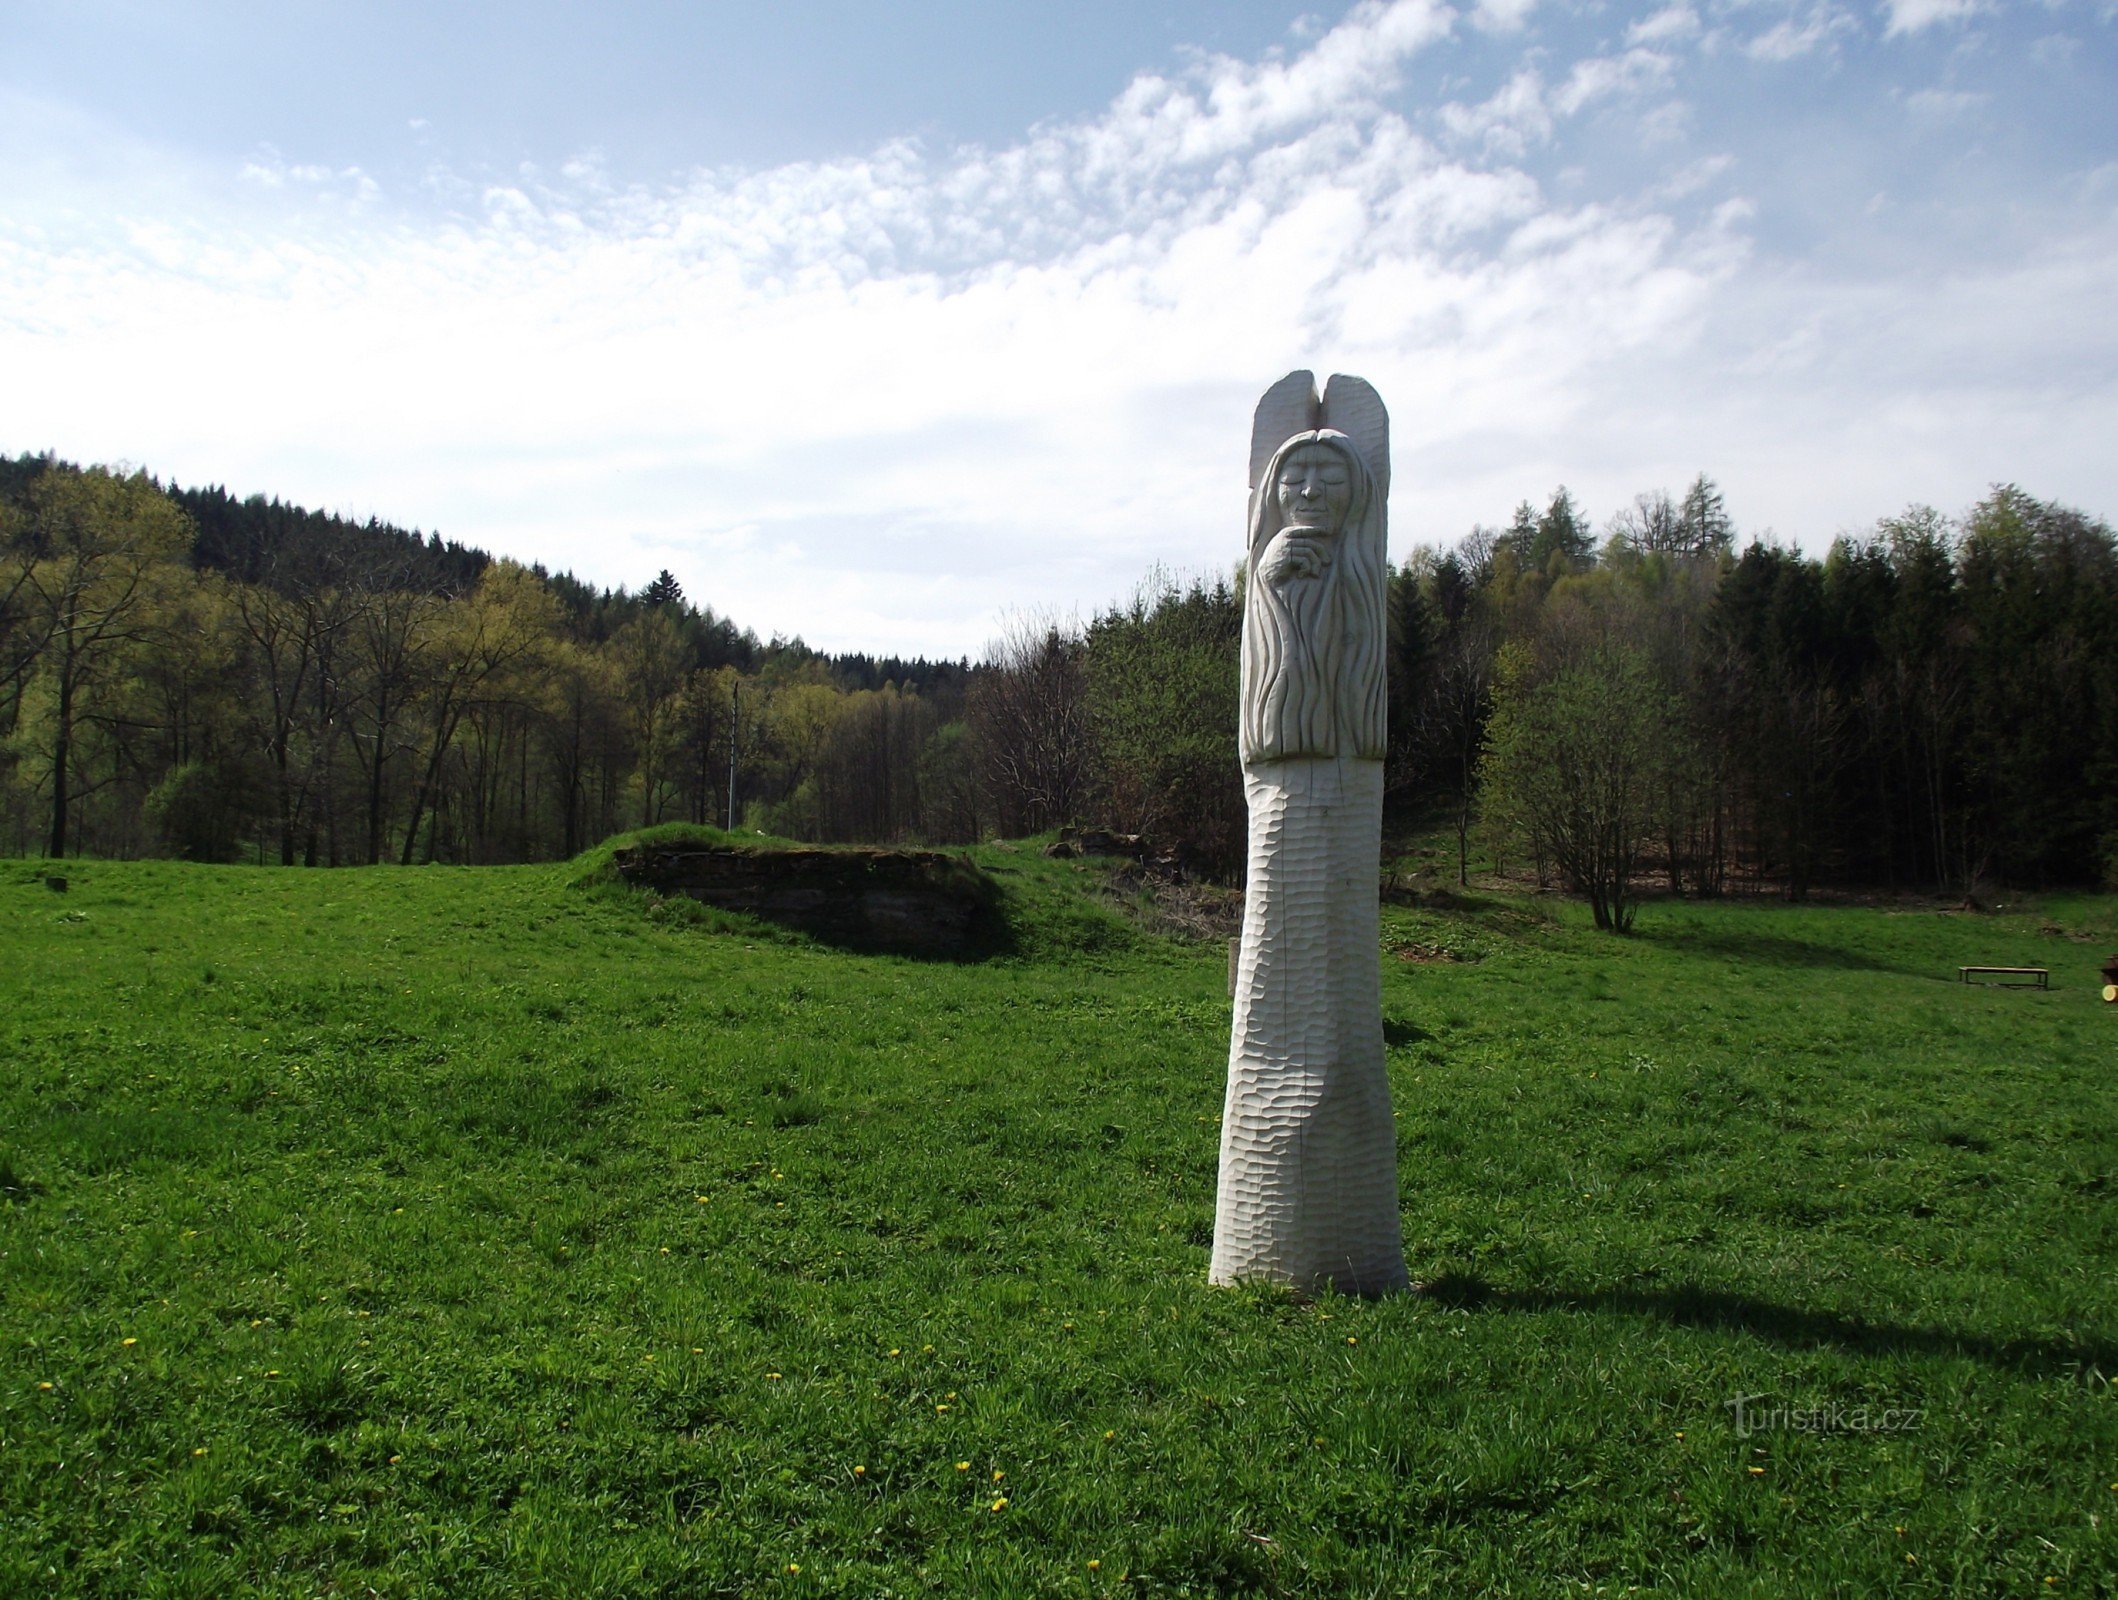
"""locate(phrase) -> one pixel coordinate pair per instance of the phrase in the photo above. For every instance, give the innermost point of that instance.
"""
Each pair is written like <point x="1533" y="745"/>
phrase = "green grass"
<point x="477" y="1233"/>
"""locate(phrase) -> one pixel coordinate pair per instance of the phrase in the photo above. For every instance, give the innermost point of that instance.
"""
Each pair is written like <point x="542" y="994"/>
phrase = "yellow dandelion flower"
<point x="794" y="1566"/>
<point x="772" y="1377"/>
<point x="201" y="1450"/>
<point x="927" y="1350"/>
<point x="938" y="1410"/>
<point x="395" y="1459"/>
<point x="1095" y="1566"/>
<point x="1001" y="1504"/>
<point x="1757" y="1472"/>
<point x="961" y="1466"/>
<point x="1351" y="1340"/>
<point x="893" y="1352"/>
<point x="998" y="1474"/>
<point x="45" y="1387"/>
<point x="128" y="1343"/>
<point x="860" y="1472"/>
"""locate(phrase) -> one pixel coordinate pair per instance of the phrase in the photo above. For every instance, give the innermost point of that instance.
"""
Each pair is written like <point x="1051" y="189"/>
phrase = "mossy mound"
<point x="915" y="902"/>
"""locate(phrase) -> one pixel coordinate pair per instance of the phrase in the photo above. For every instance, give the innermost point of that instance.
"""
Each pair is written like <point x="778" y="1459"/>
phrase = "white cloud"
<point x="2055" y="50"/>
<point x="1915" y="16"/>
<point x="1608" y="77"/>
<point x="1522" y="113"/>
<point x="1666" y="26"/>
<point x="1515" y="118"/>
<point x="1157" y="121"/>
<point x="1792" y="37"/>
<point x="881" y="399"/>
<point x="1692" y="177"/>
<point x="1944" y="105"/>
<point x="1931" y="387"/>
<point x="1501" y="16"/>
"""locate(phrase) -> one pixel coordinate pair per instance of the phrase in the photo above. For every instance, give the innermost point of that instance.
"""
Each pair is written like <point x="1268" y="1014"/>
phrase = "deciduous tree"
<point x="1572" y="765"/>
<point x="93" y="538"/>
<point x="1029" y="713"/>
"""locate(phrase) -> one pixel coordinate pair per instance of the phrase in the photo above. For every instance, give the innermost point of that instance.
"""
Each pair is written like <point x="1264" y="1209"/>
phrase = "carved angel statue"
<point x="1308" y="1180"/>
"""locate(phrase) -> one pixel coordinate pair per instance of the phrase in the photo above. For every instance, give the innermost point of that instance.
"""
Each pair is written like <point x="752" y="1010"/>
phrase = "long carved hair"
<point x="1313" y="679"/>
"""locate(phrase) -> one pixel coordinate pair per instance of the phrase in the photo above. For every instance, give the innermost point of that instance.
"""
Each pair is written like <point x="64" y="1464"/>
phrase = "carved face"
<point x="1314" y="489"/>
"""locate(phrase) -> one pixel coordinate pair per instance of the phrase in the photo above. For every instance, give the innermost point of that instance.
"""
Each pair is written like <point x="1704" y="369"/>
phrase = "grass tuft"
<point x="15" y="1189"/>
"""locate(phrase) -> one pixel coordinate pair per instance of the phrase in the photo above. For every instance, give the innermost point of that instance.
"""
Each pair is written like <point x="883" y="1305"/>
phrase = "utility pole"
<point x="735" y="726"/>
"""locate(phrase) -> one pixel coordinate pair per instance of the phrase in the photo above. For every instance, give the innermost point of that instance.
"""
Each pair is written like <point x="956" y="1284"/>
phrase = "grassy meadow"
<point x="495" y="1232"/>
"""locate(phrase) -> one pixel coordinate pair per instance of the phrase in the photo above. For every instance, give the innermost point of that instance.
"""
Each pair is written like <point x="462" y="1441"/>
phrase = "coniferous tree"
<point x="1161" y="684"/>
<point x="1562" y="531"/>
<point x="1410" y="669"/>
<point x="1703" y="526"/>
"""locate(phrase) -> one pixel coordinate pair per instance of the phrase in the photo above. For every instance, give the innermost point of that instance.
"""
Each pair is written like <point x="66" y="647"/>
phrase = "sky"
<point x="885" y="324"/>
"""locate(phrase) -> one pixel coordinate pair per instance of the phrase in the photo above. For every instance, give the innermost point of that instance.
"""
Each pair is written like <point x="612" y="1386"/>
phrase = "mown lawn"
<point x="473" y="1233"/>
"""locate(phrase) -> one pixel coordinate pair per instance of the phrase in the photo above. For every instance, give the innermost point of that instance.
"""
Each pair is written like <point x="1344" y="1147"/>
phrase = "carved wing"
<point x="1289" y="408"/>
<point x="1352" y="406"/>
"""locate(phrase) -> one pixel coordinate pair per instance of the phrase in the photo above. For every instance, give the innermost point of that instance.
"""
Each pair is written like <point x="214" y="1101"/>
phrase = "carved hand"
<point x="1295" y="553"/>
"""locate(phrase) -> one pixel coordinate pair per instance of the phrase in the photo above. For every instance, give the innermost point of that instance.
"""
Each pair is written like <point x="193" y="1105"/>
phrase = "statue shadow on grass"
<point x="1399" y="1033"/>
<point x="1690" y="1305"/>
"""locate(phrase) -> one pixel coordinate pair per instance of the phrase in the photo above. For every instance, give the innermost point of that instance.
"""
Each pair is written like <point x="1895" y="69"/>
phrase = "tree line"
<point x="1931" y="704"/>
<point x="184" y="672"/>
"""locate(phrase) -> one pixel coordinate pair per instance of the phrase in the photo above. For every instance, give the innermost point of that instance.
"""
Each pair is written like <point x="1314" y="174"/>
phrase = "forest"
<point x="1652" y="702"/>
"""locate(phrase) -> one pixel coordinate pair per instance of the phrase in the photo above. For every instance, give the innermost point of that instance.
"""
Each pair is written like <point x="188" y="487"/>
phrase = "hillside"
<point x="186" y="673"/>
<point x="494" y="1233"/>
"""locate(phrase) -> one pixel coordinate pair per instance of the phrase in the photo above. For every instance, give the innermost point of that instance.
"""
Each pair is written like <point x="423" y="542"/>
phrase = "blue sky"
<point x="875" y="323"/>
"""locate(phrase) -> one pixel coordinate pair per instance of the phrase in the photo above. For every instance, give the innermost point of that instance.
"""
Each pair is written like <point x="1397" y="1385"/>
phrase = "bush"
<point x="197" y="811"/>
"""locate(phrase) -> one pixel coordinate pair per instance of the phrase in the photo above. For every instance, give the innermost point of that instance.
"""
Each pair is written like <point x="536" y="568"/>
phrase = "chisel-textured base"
<point x="1308" y="1188"/>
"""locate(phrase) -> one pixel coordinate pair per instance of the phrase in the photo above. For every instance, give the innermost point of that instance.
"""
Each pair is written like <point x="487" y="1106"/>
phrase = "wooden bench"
<point x="2041" y="975"/>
